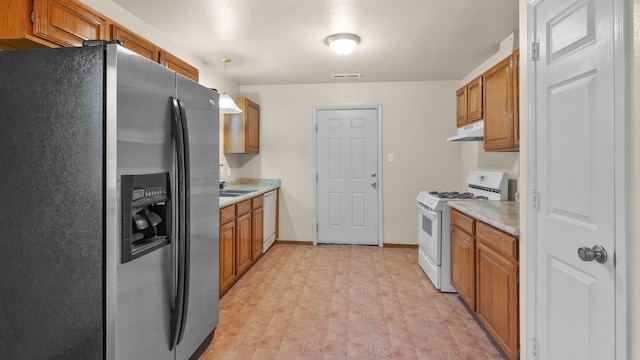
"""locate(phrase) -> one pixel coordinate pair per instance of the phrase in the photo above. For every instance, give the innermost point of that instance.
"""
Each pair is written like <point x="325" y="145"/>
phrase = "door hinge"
<point x="534" y="348"/>
<point x="317" y="177"/>
<point x="32" y="17"/>
<point x="534" y="199"/>
<point x="535" y="51"/>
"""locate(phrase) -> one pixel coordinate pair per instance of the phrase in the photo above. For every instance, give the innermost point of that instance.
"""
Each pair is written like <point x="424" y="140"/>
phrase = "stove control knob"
<point x="597" y="253"/>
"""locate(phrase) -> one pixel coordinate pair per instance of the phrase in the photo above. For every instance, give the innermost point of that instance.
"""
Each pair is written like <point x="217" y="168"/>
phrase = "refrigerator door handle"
<point x="186" y="220"/>
<point x="178" y="137"/>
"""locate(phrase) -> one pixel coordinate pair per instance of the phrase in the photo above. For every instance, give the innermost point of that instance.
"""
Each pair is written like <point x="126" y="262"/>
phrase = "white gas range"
<point x="434" y="219"/>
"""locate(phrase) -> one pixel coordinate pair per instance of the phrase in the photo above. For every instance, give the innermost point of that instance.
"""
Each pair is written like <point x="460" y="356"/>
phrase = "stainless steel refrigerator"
<point x="109" y="234"/>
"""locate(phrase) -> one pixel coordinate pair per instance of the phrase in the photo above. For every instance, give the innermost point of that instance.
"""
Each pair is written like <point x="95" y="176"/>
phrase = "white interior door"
<point x="575" y="300"/>
<point x="348" y="177"/>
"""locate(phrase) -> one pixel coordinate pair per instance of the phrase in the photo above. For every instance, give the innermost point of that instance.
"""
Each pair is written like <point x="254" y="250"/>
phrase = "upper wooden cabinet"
<point x="461" y="108"/>
<point x="178" y="65"/>
<point x="242" y="131"/>
<point x="135" y="43"/>
<point x="469" y="102"/>
<point x="67" y="23"/>
<point x="474" y="100"/>
<point x="49" y="23"/>
<point x="500" y="106"/>
<point x="516" y="98"/>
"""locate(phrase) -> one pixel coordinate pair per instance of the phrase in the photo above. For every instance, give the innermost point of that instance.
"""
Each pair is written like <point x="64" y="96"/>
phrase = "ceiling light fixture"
<point x="227" y="105"/>
<point x="343" y="44"/>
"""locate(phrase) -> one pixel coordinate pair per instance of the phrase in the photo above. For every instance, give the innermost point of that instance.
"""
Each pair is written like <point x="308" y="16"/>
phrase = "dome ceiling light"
<point x="343" y="44"/>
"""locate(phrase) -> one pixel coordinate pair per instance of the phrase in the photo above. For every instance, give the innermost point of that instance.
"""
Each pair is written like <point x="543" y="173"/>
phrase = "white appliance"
<point x="471" y="132"/>
<point x="434" y="219"/>
<point x="269" y="220"/>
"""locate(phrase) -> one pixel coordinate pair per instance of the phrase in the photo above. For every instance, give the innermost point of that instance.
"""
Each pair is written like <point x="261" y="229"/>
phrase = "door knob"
<point x="373" y="174"/>
<point x="597" y="253"/>
<point x="374" y="185"/>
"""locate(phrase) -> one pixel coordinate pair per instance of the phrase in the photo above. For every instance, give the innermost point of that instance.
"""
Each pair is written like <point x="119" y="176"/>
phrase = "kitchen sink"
<point x="234" y="193"/>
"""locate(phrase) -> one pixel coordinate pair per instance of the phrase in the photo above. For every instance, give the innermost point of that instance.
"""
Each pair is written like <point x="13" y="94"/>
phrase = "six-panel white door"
<point x="574" y="178"/>
<point x="347" y="181"/>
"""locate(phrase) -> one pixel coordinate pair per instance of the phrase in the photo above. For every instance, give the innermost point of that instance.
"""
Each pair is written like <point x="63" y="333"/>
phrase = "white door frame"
<point x="378" y="108"/>
<point x="622" y="27"/>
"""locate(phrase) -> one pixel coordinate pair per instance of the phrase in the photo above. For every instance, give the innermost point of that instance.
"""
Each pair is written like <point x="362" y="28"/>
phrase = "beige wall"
<point x="417" y="117"/>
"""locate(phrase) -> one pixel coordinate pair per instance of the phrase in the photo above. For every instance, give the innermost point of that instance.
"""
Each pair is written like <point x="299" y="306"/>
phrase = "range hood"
<point x="472" y="132"/>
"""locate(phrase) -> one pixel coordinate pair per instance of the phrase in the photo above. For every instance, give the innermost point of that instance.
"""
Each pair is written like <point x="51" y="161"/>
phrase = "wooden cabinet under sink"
<point x="241" y="239"/>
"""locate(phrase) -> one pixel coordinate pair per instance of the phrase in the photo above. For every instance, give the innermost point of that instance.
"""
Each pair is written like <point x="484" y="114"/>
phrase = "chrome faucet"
<point x="223" y="184"/>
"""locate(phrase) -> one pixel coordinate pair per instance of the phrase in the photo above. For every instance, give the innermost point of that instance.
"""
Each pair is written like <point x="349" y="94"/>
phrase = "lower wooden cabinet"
<point x="497" y="298"/>
<point x="241" y="239"/>
<point x="227" y="255"/>
<point x="257" y="233"/>
<point x="484" y="271"/>
<point x="463" y="272"/>
<point x="243" y="243"/>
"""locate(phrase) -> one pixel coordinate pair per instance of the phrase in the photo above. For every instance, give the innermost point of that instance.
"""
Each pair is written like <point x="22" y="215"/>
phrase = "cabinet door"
<point x="242" y="131"/>
<point x="252" y="133"/>
<point x="134" y="42"/>
<point x="257" y="237"/>
<point x="498" y="107"/>
<point x="461" y="109"/>
<point x="497" y="298"/>
<point x="243" y="243"/>
<point x="227" y="255"/>
<point x="516" y="98"/>
<point x="179" y="66"/>
<point x="67" y="23"/>
<point x="474" y="100"/>
<point x="463" y="275"/>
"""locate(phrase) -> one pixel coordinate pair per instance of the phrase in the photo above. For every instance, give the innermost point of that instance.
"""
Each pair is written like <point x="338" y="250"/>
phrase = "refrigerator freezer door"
<point x="51" y="220"/>
<point x="202" y="114"/>
<point x="145" y="286"/>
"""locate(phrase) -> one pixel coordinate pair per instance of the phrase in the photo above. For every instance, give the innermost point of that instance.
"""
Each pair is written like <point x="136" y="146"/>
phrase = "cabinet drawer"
<point x="243" y="207"/>
<point x="497" y="240"/>
<point x="227" y="214"/>
<point x="462" y="221"/>
<point x="257" y="201"/>
<point x="462" y="234"/>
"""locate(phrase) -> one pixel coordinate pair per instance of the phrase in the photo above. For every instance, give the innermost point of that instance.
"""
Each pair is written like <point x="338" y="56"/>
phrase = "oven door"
<point x="429" y="233"/>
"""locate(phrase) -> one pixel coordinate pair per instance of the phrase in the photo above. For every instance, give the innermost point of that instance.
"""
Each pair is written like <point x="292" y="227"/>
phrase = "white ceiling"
<point x="282" y="41"/>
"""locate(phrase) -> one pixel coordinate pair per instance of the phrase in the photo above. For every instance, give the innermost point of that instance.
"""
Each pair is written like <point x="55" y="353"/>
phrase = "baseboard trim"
<point x="406" y="246"/>
<point x="293" y="242"/>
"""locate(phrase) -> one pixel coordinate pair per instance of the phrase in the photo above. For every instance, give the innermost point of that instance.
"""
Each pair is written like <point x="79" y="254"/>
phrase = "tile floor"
<point x="343" y="302"/>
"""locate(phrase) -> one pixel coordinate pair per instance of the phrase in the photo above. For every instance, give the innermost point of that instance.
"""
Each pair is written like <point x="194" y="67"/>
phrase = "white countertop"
<point x="503" y="215"/>
<point x="260" y="186"/>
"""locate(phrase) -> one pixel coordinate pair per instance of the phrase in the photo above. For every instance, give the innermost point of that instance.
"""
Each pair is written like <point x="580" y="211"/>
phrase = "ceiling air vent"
<point x="346" y="76"/>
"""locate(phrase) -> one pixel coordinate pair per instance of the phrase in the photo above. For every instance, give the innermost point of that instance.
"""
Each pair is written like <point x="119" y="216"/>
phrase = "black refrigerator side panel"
<point x="51" y="219"/>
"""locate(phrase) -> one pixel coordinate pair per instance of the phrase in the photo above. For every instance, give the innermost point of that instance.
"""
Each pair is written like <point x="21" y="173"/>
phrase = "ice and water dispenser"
<point x="146" y="214"/>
